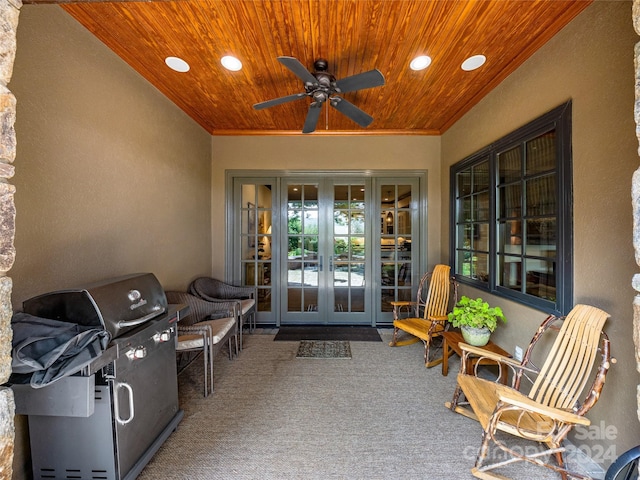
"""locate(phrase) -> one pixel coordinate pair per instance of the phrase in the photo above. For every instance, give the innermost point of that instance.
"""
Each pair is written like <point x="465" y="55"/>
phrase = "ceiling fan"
<point x="322" y="86"/>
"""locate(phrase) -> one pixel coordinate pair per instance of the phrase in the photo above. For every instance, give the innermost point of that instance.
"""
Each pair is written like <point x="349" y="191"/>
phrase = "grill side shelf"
<point x="68" y="397"/>
<point x="108" y="356"/>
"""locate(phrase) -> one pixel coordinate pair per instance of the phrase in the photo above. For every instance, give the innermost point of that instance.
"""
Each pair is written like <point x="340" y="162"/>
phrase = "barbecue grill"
<point x="107" y="421"/>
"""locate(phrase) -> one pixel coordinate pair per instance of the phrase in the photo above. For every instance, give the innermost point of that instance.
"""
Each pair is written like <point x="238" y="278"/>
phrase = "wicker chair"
<point x="243" y="298"/>
<point x="205" y="328"/>
<point x="427" y="318"/>
<point x="553" y="404"/>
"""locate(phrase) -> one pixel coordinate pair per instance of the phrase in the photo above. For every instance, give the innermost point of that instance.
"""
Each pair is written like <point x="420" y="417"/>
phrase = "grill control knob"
<point x="162" y="336"/>
<point x="137" y="353"/>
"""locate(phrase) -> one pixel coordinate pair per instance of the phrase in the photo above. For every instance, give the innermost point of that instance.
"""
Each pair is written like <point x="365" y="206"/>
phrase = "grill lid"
<point x="117" y="305"/>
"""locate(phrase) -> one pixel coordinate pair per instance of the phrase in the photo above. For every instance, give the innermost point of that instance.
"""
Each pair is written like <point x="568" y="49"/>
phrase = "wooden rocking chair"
<point x="554" y="403"/>
<point x="429" y="320"/>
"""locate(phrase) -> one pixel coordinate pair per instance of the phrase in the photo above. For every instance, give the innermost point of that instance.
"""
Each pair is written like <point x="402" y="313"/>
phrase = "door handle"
<point x="320" y="264"/>
<point x="331" y="263"/>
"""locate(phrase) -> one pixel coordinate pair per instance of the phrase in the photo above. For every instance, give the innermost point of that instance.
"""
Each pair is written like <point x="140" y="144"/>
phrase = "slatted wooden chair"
<point x="554" y="403"/>
<point x="437" y="293"/>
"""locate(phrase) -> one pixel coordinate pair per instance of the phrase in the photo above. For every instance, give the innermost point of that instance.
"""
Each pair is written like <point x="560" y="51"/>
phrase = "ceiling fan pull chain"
<point x="326" y="114"/>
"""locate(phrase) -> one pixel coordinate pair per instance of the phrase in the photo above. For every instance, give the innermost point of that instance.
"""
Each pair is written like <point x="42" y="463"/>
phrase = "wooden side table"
<point x="451" y="339"/>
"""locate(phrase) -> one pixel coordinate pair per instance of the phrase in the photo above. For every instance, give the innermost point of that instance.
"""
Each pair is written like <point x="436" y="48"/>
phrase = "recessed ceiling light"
<point x="231" y="63"/>
<point x="474" y="62"/>
<point x="420" y="63"/>
<point x="177" y="64"/>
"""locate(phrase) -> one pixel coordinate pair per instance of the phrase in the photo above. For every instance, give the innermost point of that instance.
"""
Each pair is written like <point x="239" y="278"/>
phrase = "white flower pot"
<point x="478" y="337"/>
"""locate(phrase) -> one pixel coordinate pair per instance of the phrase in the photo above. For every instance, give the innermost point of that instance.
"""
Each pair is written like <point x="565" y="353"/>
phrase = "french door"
<point x="325" y="264"/>
<point x="327" y="249"/>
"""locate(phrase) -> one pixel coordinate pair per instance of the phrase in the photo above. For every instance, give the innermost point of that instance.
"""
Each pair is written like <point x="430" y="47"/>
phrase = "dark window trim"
<point x="559" y="119"/>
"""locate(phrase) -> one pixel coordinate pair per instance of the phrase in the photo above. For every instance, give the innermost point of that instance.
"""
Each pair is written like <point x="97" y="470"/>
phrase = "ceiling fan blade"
<point x="312" y="117"/>
<point x="278" y="101"/>
<point x="350" y="110"/>
<point x="298" y="69"/>
<point x="370" y="79"/>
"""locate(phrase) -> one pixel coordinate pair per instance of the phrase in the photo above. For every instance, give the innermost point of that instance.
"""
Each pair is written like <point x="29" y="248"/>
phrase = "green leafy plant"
<point x="475" y="313"/>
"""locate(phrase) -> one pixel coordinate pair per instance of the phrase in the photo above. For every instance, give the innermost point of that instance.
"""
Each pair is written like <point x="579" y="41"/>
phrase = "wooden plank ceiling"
<point x="353" y="35"/>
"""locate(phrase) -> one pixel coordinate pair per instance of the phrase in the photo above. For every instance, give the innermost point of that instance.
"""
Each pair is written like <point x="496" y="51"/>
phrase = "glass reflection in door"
<point x="395" y="244"/>
<point x="302" y="248"/>
<point x="256" y="240"/>
<point x="348" y="248"/>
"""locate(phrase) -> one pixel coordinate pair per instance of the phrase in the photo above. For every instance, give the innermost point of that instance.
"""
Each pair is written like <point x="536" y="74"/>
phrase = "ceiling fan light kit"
<point x="321" y="86"/>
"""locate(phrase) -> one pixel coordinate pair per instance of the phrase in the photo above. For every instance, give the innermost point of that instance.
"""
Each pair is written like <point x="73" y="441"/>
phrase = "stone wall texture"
<point x="635" y="198"/>
<point x="7" y="432"/>
<point x="9" y="13"/>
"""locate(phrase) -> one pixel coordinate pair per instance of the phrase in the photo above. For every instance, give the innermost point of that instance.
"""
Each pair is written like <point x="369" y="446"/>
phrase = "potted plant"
<point x="476" y="320"/>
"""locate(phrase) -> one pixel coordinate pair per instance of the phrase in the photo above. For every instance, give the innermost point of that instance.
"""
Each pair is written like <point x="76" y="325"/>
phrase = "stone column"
<point x="9" y="12"/>
<point x="635" y="198"/>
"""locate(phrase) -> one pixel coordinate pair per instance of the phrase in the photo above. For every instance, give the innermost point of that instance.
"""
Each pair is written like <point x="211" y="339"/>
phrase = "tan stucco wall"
<point x="112" y="178"/>
<point x="330" y="153"/>
<point x="591" y="62"/>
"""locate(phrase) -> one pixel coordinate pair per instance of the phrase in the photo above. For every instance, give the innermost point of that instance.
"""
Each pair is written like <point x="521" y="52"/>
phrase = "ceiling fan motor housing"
<point x="325" y="86"/>
<point x="321" y="65"/>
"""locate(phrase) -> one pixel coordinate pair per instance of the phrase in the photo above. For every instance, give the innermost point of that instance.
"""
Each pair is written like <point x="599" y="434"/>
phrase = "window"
<point x="512" y="216"/>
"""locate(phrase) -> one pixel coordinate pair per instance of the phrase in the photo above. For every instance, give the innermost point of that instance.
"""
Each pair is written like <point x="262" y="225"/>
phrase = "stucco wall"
<point x="591" y="62"/>
<point x="326" y="153"/>
<point x="112" y="178"/>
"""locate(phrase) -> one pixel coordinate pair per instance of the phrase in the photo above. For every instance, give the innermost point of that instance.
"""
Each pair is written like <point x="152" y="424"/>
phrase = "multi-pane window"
<point x="472" y="221"/>
<point x="511" y="208"/>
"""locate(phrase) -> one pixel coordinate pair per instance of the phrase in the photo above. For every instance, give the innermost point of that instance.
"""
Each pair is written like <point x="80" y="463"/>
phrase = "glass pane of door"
<point x="397" y="210"/>
<point x="256" y="241"/>
<point x="349" y="247"/>
<point x="302" y="240"/>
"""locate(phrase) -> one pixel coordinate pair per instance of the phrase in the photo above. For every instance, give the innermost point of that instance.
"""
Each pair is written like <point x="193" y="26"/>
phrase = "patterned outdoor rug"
<point x="324" y="349"/>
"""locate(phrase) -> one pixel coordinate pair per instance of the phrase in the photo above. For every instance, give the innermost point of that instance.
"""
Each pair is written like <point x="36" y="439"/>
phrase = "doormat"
<point x="296" y="333"/>
<point x="324" y="349"/>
